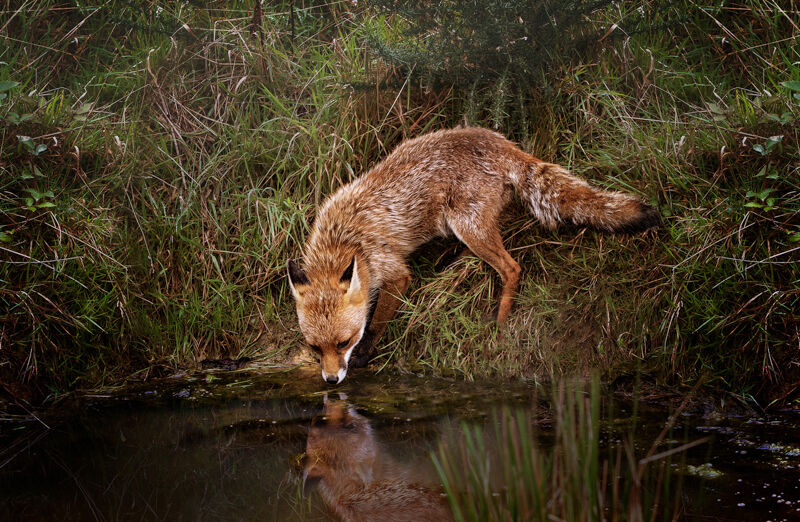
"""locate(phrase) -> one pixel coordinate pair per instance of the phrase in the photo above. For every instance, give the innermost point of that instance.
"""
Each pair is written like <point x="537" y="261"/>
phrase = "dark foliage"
<point x="471" y="43"/>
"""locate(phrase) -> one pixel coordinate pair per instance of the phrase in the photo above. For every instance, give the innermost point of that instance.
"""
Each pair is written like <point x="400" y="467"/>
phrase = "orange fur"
<point x="454" y="181"/>
<point x="358" y="479"/>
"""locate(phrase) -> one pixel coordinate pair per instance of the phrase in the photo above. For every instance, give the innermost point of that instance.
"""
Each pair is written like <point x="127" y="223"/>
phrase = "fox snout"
<point x="334" y="365"/>
<point x="334" y="378"/>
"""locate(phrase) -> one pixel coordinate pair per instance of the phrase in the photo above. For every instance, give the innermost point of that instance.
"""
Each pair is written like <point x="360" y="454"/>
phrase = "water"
<point x="275" y="446"/>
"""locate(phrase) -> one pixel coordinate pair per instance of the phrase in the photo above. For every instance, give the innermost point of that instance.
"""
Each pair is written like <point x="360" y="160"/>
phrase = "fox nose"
<point x="332" y="379"/>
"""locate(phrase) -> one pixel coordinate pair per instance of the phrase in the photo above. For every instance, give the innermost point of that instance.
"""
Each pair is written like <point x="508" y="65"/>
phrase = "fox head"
<point x="332" y="310"/>
<point x="341" y="450"/>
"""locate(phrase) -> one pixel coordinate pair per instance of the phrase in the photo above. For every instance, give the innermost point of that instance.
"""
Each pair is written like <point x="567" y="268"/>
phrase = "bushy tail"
<point x="556" y="196"/>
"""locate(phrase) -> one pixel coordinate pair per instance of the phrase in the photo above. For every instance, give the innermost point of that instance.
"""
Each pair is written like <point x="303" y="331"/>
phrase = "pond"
<point x="282" y="445"/>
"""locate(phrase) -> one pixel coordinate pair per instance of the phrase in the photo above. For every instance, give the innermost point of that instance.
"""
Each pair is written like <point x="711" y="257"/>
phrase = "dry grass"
<point x="185" y="150"/>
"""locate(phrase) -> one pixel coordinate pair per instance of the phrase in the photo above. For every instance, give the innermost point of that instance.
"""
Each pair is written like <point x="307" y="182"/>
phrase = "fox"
<point x="358" y="479"/>
<point x="353" y="273"/>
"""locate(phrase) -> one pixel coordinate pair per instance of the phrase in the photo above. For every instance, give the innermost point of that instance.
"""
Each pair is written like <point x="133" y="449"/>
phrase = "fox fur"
<point x="456" y="181"/>
<point x="358" y="479"/>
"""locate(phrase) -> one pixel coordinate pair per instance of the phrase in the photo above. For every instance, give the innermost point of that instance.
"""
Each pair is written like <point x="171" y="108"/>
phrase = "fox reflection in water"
<point x="358" y="479"/>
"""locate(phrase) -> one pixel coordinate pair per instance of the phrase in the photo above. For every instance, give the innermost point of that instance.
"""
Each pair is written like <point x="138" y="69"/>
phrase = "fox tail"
<point x="556" y="196"/>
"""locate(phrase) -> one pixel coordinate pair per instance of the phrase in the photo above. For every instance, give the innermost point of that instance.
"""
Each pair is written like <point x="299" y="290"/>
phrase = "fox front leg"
<point x="363" y="350"/>
<point x="383" y="310"/>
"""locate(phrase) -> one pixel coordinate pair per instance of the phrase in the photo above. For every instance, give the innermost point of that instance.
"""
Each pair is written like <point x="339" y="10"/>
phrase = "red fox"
<point x="455" y="181"/>
<point x="358" y="479"/>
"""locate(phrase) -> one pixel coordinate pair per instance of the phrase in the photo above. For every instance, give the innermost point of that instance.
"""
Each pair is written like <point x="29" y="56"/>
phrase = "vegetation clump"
<point x="160" y="162"/>
<point x="574" y="469"/>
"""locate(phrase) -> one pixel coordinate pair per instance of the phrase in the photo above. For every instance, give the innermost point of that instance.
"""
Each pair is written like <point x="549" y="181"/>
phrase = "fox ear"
<point x="351" y="274"/>
<point x="296" y="277"/>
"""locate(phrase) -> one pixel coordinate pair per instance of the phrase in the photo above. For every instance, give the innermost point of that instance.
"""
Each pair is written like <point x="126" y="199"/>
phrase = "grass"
<point x="572" y="470"/>
<point x="160" y="163"/>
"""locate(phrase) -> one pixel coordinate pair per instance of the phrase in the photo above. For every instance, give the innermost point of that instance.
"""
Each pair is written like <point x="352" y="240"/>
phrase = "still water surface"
<point x="276" y="446"/>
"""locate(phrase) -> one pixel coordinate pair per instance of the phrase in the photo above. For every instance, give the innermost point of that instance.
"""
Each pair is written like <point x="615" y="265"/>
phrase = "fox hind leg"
<point x="487" y="244"/>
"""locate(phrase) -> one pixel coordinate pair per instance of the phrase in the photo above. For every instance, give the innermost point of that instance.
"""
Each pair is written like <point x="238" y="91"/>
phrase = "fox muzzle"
<point x="334" y="378"/>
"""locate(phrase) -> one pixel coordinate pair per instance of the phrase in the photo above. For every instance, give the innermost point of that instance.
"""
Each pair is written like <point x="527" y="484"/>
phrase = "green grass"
<point x="570" y="470"/>
<point x="177" y="154"/>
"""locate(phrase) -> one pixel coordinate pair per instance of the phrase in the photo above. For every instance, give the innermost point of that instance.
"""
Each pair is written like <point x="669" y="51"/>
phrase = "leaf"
<point x="792" y="86"/>
<point x="15" y="118"/>
<point x="768" y="145"/>
<point x="5" y="237"/>
<point x="8" y="85"/>
<point x="84" y="108"/>
<point x="766" y="192"/>
<point x="35" y="193"/>
<point x="39" y="149"/>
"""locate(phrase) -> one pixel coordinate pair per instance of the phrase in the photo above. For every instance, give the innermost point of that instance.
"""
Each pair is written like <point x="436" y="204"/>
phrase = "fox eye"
<point x="342" y="345"/>
<point x="315" y="348"/>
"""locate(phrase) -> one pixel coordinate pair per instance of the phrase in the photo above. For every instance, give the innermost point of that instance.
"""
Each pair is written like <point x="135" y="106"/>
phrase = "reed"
<point x="571" y="469"/>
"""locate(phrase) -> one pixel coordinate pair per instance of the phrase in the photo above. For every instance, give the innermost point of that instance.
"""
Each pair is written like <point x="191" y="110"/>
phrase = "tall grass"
<point x="159" y="163"/>
<point x="178" y="174"/>
<point x="564" y="474"/>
